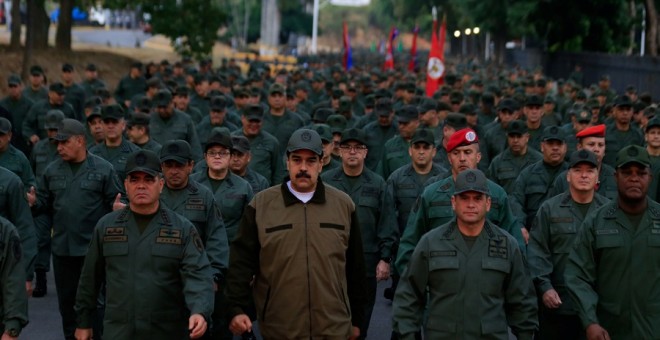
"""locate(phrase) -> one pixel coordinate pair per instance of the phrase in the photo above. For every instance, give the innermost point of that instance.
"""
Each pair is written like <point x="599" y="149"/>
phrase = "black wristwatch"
<point x="386" y="259"/>
<point x="14" y="332"/>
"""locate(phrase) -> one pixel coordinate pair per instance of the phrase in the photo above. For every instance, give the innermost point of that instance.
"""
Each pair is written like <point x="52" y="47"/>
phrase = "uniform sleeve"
<point x="415" y="229"/>
<point x="521" y="305"/>
<point x="30" y="122"/>
<point x="355" y="273"/>
<point x="111" y="188"/>
<point x="12" y="280"/>
<point x="410" y="297"/>
<point x="20" y="215"/>
<point x="559" y="185"/>
<point x="509" y="222"/>
<point x="517" y="196"/>
<point x="538" y="251"/>
<point x="217" y="246"/>
<point x="387" y="227"/>
<point x="243" y="263"/>
<point x="195" y="145"/>
<point x="278" y="170"/>
<point x="196" y="276"/>
<point x="580" y="274"/>
<point x="28" y="178"/>
<point x="91" y="277"/>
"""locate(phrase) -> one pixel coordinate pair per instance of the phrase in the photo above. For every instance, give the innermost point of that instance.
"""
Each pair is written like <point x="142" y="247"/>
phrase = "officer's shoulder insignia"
<point x="445" y="187"/>
<point x="15" y="245"/>
<point x="165" y="217"/>
<point x="197" y="241"/>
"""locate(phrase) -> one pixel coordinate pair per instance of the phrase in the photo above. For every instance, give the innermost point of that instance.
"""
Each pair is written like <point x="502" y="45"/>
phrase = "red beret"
<point x="594" y="131"/>
<point x="462" y="138"/>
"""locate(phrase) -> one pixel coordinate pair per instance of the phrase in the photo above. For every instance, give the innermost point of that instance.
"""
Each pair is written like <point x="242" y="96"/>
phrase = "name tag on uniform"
<point x="561" y="219"/>
<point x="169" y="236"/>
<point x="373" y="192"/>
<point x="115" y="231"/>
<point x="167" y="240"/>
<point x="443" y="253"/>
<point x="607" y="231"/>
<point x="115" y="238"/>
<point x="115" y="234"/>
<point x="406" y="186"/>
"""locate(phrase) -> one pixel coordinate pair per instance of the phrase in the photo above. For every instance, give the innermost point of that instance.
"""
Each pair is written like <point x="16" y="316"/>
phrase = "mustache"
<point x="303" y="174"/>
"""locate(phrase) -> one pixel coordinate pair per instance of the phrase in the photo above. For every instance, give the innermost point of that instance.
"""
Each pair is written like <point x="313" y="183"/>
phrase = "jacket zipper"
<point x="309" y="286"/>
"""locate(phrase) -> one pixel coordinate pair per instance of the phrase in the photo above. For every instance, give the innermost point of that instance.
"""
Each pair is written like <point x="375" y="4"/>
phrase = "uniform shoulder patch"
<point x="15" y="245"/>
<point x="197" y="241"/>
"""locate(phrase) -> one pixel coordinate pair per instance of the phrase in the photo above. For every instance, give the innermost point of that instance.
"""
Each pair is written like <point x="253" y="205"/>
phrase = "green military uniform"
<point x="195" y="114"/>
<point x="43" y="153"/>
<point x="151" y="145"/>
<point x="495" y="140"/>
<point x="474" y="293"/>
<point x="395" y="155"/>
<point x="266" y="156"/>
<point x="14" y="207"/>
<point x="256" y="180"/>
<point x="376" y="137"/>
<point x="35" y="96"/>
<point x="615" y="140"/>
<point x="154" y="279"/>
<point x="202" y="104"/>
<point x="281" y="127"/>
<point x="116" y="155"/>
<point x="531" y="189"/>
<point x="612" y="272"/>
<point x="129" y="87"/>
<point x="606" y="183"/>
<point x="550" y="241"/>
<point x="19" y="110"/>
<point x="233" y="195"/>
<point x="75" y="95"/>
<point x="90" y="86"/>
<point x="15" y="161"/>
<point x="505" y="167"/>
<point x="36" y="118"/>
<point x="535" y="138"/>
<point x="204" y="129"/>
<point x="433" y="208"/>
<point x="377" y="223"/>
<point x="13" y="300"/>
<point x="178" y="126"/>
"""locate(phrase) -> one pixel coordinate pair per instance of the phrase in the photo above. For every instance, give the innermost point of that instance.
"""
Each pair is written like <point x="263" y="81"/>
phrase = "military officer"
<point x="378" y="132"/>
<point x="507" y="111"/>
<point x="377" y="222"/>
<point x="19" y="106"/>
<point x="652" y="138"/>
<point x="533" y="114"/>
<point x="33" y="124"/>
<point x="551" y="239"/>
<point x="168" y="123"/>
<point x="75" y="191"/>
<point x="13" y="300"/>
<point x="325" y="132"/>
<point x="130" y="85"/>
<point x="504" y="169"/>
<point x="217" y="117"/>
<point x="137" y="131"/>
<point x="12" y="158"/>
<point x="612" y="271"/>
<point x="152" y="260"/>
<point x="432" y="208"/>
<point x="474" y="273"/>
<point x="620" y="132"/>
<point x="454" y="122"/>
<point x="240" y="161"/>
<point x="395" y="154"/>
<point x="36" y="90"/>
<point x="279" y="121"/>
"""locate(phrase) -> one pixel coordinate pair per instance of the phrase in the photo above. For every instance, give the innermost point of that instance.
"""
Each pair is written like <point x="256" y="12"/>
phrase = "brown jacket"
<point x="308" y="264"/>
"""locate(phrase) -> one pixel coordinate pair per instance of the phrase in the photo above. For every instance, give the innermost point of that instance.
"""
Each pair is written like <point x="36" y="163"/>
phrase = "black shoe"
<point x="40" y="288"/>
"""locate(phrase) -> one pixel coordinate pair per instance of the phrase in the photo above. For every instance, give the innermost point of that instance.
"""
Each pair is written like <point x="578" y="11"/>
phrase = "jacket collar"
<point x="290" y="199"/>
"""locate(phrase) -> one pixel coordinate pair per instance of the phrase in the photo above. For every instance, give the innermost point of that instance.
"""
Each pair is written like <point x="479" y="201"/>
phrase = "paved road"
<point x="113" y="37"/>
<point x="45" y="322"/>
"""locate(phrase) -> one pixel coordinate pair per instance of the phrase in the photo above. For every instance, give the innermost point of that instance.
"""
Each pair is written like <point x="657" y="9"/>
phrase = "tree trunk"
<point x="632" y="11"/>
<point x="15" y="40"/>
<point x="499" y="40"/>
<point x="38" y="25"/>
<point x="64" y="22"/>
<point x="651" y="28"/>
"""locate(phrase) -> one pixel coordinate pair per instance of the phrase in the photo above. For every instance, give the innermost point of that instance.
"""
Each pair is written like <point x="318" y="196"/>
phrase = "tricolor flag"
<point x="389" y="57"/>
<point x="348" y="54"/>
<point x="412" y="64"/>
<point x="435" y="69"/>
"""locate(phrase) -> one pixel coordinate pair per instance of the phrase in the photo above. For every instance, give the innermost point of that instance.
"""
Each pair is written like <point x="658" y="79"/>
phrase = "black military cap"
<point x="254" y="112"/>
<point x="653" y="122"/>
<point x="162" y="98"/>
<point x="467" y="109"/>
<point x="407" y="113"/>
<point x="69" y="127"/>
<point x="14" y="80"/>
<point x="582" y="156"/>
<point x="650" y="111"/>
<point x="91" y="67"/>
<point x="487" y="98"/>
<point x="138" y="65"/>
<point x="67" y="68"/>
<point x="631" y="89"/>
<point x="277" y="88"/>
<point x="241" y="92"/>
<point x="581" y="95"/>
<point x="337" y="123"/>
<point x="154" y="82"/>
<point x="57" y="88"/>
<point x="456" y="120"/>
<point x="144" y="104"/>
<point x="456" y="97"/>
<point x="219" y="137"/>
<point x="507" y="104"/>
<point x="427" y="104"/>
<point x="143" y="161"/>
<point x="517" y="127"/>
<point x="583" y="116"/>
<point x="177" y="150"/>
<point x="383" y="106"/>
<point x="533" y="100"/>
<point x="337" y="93"/>
<point x="5" y="126"/>
<point x="53" y="119"/>
<point x="112" y="111"/>
<point x="92" y="102"/>
<point x="182" y="91"/>
<point x="139" y="119"/>
<point x="471" y="180"/>
<point x="345" y="104"/>
<point x="370" y="101"/>
<point x="622" y="101"/>
<point x="36" y="70"/>
<point x="199" y="78"/>
<point x="305" y="139"/>
<point x="324" y="132"/>
<point x="103" y="92"/>
<point x="442" y="106"/>
<point x="96" y="112"/>
<point x="218" y="103"/>
<point x="240" y="144"/>
<point x="549" y="99"/>
<point x="321" y="114"/>
<point x="423" y="136"/>
<point x="353" y="134"/>
<point x="633" y="154"/>
<point x="553" y="133"/>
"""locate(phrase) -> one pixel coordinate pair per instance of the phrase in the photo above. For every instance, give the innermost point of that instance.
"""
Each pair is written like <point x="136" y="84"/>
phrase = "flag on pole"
<point x="348" y="54"/>
<point x="389" y="57"/>
<point x="435" y="70"/>
<point x="412" y="64"/>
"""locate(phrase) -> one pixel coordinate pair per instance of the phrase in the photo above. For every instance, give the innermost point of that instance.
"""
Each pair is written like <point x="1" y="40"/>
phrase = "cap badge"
<point x="633" y="152"/>
<point x="140" y="159"/>
<point x="173" y="148"/>
<point x="471" y="177"/>
<point x="470" y="136"/>
<point x="306" y="136"/>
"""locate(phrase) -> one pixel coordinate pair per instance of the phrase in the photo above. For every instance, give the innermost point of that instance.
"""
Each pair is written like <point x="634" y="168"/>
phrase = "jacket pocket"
<point x="443" y="271"/>
<point x="494" y="272"/>
<point x="115" y="249"/>
<point x="279" y="228"/>
<point x="332" y="226"/>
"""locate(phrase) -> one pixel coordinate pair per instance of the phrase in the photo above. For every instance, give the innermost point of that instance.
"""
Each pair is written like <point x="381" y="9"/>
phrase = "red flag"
<point x="435" y="70"/>
<point x="389" y="57"/>
<point x="412" y="64"/>
<point x="348" y="55"/>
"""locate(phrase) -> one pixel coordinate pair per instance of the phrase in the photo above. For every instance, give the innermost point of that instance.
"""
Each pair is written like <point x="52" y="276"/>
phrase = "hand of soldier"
<point x="196" y="325"/>
<point x="6" y="336"/>
<point x="240" y="324"/>
<point x="118" y="204"/>
<point x="127" y="103"/>
<point x="83" y="334"/>
<point x="34" y="139"/>
<point x="356" y="333"/>
<point x="28" y="288"/>
<point x="596" y="332"/>
<point x="551" y="299"/>
<point x="31" y="196"/>
<point x="382" y="271"/>
<point x="525" y="235"/>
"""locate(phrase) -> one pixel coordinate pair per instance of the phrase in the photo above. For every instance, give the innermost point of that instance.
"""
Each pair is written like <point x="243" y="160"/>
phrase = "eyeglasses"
<point x="355" y="148"/>
<point x="220" y="154"/>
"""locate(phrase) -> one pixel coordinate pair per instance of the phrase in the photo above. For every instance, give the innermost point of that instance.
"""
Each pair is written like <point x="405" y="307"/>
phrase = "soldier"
<point x="217" y="118"/>
<point x="612" y="271"/>
<point x="533" y="114"/>
<point x="428" y="116"/>
<point x="19" y="106"/>
<point x="533" y="183"/>
<point x="454" y="122"/>
<point x="182" y="103"/>
<point x="33" y="125"/>
<point x="265" y="149"/>
<point x="283" y="238"/>
<point x="395" y="154"/>
<point x="432" y="209"/>
<point x="13" y="301"/>
<point x="94" y="133"/>
<point x="504" y="169"/>
<point x="37" y="90"/>
<point x="153" y="264"/>
<point x="581" y="121"/>
<point x="507" y="111"/>
<point x="551" y="238"/>
<point x="75" y="94"/>
<point x="137" y="131"/>
<point x="473" y="271"/>
<point x="379" y="131"/>
<point x="279" y="121"/>
<point x="132" y="84"/>
<point x="199" y="99"/>
<point x="550" y="116"/>
<point x="115" y="148"/>
<point x="620" y="132"/>
<point x="652" y="138"/>
<point x="169" y="124"/>
<point x="240" y="161"/>
<point x="75" y="191"/>
<point x="12" y="158"/>
<point x="92" y="82"/>
<point x="328" y="162"/>
<point x="377" y="222"/>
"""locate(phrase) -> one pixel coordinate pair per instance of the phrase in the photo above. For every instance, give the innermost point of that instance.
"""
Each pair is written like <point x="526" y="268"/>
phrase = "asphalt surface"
<point x="112" y="37"/>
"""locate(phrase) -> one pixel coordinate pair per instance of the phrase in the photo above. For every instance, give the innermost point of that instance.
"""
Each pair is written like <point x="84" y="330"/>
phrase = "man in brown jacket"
<point x="302" y="244"/>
